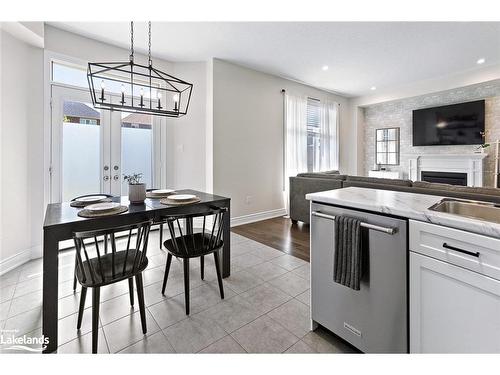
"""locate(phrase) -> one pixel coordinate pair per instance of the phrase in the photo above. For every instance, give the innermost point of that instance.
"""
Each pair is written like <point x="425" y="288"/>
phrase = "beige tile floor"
<point x="265" y="309"/>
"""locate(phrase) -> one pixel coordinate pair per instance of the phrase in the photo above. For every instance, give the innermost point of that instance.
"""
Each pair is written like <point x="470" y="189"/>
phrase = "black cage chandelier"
<point x="144" y="89"/>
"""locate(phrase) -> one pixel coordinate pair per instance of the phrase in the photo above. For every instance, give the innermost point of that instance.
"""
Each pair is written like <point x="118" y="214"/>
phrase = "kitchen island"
<point x="428" y="277"/>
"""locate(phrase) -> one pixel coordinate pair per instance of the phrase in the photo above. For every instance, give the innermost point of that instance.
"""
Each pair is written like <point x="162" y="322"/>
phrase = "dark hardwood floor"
<point x="279" y="233"/>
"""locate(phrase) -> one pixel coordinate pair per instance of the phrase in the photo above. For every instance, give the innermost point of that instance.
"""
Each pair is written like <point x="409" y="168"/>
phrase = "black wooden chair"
<point x="189" y="244"/>
<point x="95" y="269"/>
<point x="105" y="249"/>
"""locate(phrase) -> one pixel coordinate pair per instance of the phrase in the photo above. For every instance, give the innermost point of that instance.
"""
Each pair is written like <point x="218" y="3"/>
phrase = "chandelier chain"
<point x="149" y="44"/>
<point x="131" y="41"/>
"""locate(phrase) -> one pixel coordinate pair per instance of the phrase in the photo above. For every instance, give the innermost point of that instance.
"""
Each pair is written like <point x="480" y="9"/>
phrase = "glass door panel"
<point x="137" y="148"/>
<point x="81" y="150"/>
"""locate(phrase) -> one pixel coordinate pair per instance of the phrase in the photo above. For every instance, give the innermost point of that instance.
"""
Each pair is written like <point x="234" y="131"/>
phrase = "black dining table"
<point x="61" y="220"/>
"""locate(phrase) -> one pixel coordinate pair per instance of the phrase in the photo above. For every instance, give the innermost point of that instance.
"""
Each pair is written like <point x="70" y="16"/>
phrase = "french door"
<point x="92" y="149"/>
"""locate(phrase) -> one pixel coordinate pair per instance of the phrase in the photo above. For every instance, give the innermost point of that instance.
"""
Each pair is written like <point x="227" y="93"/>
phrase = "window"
<point x="313" y="135"/>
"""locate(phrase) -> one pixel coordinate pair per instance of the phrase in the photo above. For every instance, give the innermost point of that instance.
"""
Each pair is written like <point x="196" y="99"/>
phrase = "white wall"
<point x="22" y="166"/>
<point x="248" y="136"/>
<point x="186" y="136"/>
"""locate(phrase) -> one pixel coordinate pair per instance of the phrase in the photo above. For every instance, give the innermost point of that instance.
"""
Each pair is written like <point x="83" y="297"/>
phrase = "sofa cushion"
<point x="375" y="180"/>
<point x="333" y="176"/>
<point x="457" y="188"/>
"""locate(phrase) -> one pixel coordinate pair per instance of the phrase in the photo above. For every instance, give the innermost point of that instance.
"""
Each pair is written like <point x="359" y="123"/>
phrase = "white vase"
<point x="136" y="193"/>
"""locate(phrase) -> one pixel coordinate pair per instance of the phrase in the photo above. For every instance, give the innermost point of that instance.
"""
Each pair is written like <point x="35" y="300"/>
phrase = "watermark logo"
<point x="9" y="341"/>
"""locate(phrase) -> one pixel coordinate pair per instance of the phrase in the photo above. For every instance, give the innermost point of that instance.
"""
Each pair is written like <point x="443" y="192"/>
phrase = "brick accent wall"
<point x="398" y="113"/>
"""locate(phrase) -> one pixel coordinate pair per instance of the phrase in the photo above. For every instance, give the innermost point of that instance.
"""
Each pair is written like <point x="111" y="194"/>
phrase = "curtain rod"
<point x="284" y="91"/>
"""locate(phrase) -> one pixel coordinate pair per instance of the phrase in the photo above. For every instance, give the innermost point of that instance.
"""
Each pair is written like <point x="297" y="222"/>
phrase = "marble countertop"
<point x="403" y="204"/>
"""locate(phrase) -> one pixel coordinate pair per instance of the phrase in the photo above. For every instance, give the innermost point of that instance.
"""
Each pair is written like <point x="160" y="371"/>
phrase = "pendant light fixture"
<point x="137" y="88"/>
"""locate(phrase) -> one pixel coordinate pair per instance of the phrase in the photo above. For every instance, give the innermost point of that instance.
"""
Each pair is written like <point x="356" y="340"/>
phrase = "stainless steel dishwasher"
<point x="374" y="319"/>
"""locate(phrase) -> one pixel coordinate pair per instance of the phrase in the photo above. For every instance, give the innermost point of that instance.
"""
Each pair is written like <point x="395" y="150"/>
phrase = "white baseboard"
<point x="15" y="261"/>
<point x="246" y="219"/>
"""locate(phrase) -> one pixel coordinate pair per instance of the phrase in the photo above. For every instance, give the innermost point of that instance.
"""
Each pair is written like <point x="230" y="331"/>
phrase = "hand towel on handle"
<point x="347" y="258"/>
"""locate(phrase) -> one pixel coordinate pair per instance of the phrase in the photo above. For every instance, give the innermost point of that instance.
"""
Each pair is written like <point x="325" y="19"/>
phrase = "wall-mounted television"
<point x="456" y="124"/>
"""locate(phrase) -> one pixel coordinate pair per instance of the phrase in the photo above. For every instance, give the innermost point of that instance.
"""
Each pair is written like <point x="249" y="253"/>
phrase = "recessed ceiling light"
<point x="325" y="67"/>
<point x="373" y="88"/>
<point x="481" y="60"/>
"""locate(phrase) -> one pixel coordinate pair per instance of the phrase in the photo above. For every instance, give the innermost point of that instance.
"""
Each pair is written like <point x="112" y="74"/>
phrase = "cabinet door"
<point x="452" y="310"/>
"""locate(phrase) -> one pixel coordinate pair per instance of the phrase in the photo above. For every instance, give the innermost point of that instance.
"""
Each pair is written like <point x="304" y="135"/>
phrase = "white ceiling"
<point x="359" y="54"/>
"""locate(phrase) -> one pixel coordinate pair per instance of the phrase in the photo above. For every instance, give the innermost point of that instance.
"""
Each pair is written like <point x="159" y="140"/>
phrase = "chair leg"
<point x="131" y="290"/>
<point x="95" y="317"/>
<point x="82" y="307"/>
<point x="161" y="235"/>
<point x="202" y="267"/>
<point x="167" y="269"/>
<point x="219" y="276"/>
<point x="186" y="284"/>
<point x="140" y="296"/>
<point x="74" y="275"/>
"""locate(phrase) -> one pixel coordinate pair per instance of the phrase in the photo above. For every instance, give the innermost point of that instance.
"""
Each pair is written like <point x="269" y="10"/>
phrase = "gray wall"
<point x="398" y="113"/>
<point x="248" y="135"/>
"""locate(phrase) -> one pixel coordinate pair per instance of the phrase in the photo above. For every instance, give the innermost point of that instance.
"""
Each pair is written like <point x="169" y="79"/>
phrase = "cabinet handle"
<point x="474" y="254"/>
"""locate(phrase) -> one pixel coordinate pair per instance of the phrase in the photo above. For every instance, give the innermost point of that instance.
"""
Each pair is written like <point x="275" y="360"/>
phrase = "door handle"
<point x="106" y="168"/>
<point x="116" y="177"/>
<point x="106" y="178"/>
<point x="472" y="253"/>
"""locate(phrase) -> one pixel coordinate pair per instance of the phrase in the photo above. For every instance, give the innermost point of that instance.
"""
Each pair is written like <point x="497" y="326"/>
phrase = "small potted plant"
<point x="136" y="189"/>
<point x="482" y="148"/>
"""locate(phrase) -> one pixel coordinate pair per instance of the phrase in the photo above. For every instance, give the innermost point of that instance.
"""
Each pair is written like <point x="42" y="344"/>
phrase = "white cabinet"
<point x="384" y="174"/>
<point x="454" y="305"/>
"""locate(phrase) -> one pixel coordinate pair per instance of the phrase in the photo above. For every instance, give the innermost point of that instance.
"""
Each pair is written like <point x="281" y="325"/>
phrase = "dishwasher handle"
<point x="388" y="230"/>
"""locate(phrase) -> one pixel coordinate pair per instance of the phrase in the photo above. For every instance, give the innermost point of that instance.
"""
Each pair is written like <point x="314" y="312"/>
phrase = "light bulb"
<point x="176" y="98"/>
<point x="123" y="89"/>
<point x="102" y="84"/>
<point x="142" y="92"/>
<point x="158" y="95"/>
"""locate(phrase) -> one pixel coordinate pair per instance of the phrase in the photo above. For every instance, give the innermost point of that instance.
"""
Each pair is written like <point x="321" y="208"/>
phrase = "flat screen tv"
<point x="456" y="124"/>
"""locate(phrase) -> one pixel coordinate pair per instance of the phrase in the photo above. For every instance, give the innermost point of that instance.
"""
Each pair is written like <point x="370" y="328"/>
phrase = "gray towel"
<point x="347" y="258"/>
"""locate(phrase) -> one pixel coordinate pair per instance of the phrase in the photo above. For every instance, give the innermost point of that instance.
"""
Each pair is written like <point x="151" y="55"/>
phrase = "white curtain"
<point x="329" y="130"/>
<point x="295" y="138"/>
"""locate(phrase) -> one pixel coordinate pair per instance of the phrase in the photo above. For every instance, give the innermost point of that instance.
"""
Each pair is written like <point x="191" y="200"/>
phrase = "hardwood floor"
<point x="279" y="233"/>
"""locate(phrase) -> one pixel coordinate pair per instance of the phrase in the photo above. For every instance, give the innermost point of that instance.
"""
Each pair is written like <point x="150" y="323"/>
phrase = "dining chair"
<point x="188" y="244"/>
<point x="105" y="249"/>
<point x="95" y="269"/>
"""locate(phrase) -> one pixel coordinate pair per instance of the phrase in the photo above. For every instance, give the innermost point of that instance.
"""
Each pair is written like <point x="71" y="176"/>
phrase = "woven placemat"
<point x="84" y="204"/>
<point x="90" y="214"/>
<point x="171" y="202"/>
<point x="151" y="196"/>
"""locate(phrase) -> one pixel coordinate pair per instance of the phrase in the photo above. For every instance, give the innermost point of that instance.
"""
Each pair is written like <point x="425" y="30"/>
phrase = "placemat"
<point x="149" y="195"/>
<point x="89" y="214"/>
<point x="84" y="204"/>
<point x="171" y="202"/>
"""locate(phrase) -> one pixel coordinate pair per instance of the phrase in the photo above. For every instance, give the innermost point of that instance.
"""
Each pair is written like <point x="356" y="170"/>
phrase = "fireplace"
<point x="452" y="178"/>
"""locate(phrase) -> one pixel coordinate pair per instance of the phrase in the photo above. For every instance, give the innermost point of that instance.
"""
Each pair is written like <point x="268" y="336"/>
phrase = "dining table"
<point x="62" y="220"/>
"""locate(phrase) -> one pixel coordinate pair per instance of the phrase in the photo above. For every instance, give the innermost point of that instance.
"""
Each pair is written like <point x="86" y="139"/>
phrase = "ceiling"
<point x="359" y="55"/>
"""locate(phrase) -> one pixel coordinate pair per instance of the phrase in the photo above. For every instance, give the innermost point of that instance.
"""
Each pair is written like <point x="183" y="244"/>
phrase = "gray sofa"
<point x="305" y="183"/>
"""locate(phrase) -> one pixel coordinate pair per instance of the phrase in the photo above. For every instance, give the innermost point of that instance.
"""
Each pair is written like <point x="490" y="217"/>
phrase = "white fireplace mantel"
<point x="472" y="164"/>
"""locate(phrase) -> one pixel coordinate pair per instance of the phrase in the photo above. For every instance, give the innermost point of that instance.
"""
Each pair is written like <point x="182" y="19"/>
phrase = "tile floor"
<point x="265" y="309"/>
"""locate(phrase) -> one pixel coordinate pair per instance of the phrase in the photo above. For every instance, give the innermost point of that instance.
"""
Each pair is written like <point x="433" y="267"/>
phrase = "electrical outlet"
<point x="249" y="199"/>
